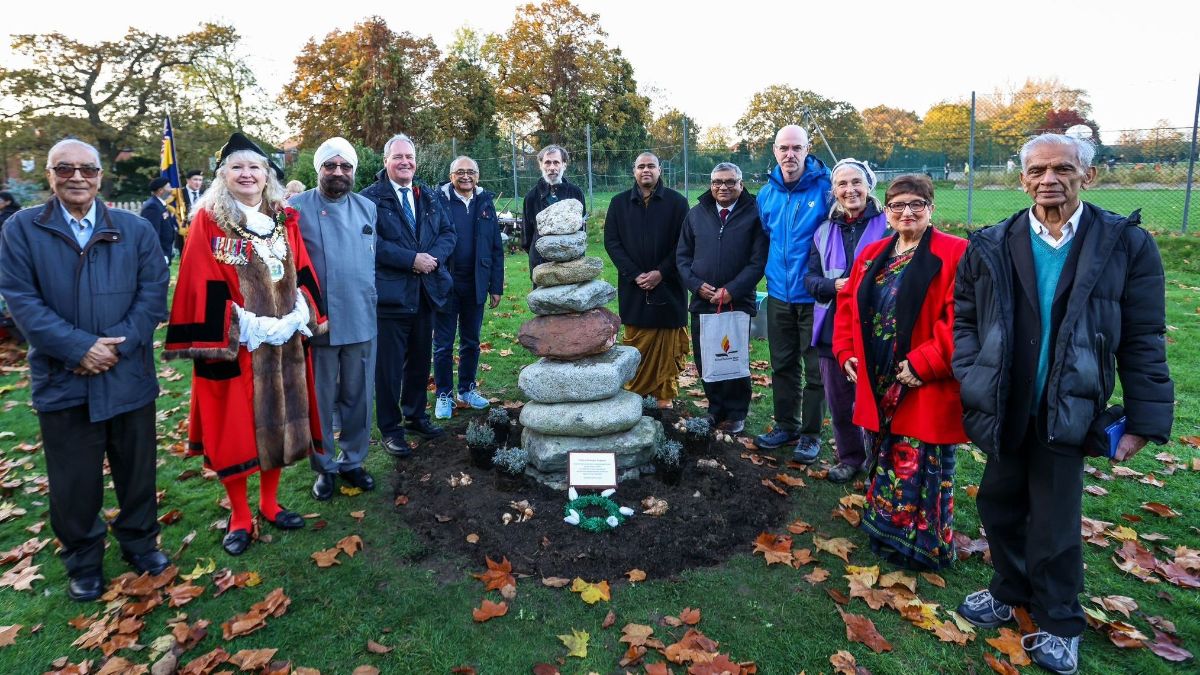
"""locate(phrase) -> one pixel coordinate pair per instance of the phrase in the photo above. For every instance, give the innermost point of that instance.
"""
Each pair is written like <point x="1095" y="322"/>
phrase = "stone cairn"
<point x="577" y="401"/>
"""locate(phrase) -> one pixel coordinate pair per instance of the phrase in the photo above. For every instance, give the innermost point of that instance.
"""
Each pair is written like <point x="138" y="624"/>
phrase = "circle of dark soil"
<point x="713" y="512"/>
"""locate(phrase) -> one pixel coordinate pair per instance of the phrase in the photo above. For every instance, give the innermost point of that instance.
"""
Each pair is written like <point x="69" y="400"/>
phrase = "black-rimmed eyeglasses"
<point x="68" y="171"/>
<point x="916" y="205"/>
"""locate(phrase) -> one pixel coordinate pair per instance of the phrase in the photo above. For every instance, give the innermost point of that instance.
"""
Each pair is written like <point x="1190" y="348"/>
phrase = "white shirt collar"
<point x="719" y="207"/>
<point x="1068" y="230"/>
<point x="88" y="220"/>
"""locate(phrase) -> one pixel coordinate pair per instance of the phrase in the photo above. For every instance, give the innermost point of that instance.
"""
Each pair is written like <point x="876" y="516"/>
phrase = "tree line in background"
<point x="550" y="76"/>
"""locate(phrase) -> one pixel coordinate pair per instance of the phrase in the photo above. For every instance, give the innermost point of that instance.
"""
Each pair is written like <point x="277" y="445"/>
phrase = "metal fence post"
<point x="1187" y="196"/>
<point x="685" y="158"/>
<point x="453" y="147"/>
<point x="971" y="164"/>
<point x="587" y="130"/>
<point x="516" y="193"/>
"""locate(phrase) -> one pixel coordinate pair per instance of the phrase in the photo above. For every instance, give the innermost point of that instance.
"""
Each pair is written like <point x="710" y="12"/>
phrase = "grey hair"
<point x="562" y="152"/>
<point x="460" y="158"/>
<point x="222" y="205"/>
<point x="726" y="166"/>
<point x="73" y="141"/>
<point x="1084" y="150"/>
<point x="644" y="154"/>
<point x="395" y="139"/>
<point x="868" y="176"/>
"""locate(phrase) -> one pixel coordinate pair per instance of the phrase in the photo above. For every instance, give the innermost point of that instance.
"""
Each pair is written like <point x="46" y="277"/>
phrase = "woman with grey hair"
<point x="856" y="219"/>
<point x="245" y="300"/>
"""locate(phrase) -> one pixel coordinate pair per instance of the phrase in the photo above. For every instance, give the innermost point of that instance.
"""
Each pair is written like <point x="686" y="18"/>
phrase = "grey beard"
<point x="557" y="181"/>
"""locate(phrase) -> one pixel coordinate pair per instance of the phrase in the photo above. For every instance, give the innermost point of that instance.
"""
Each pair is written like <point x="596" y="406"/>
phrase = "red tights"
<point x="268" y="502"/>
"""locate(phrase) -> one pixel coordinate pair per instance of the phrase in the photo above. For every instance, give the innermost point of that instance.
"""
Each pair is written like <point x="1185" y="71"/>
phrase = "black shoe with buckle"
<point x="423" y="427"/>
<point x="85" y="587"/>
<point x="285" y="520"/>
<point x="236" y="542"/>
<point x="152" y="562"/>
<point x="396" y="447"/>
<point x="323" y="486"/>
<point x="359" y="478"/>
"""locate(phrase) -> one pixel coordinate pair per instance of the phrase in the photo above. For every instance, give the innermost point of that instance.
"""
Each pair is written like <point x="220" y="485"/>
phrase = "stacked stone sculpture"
<point x="577" y="401"/>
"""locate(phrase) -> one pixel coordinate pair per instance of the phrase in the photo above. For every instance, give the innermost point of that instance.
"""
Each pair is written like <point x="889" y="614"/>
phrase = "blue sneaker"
<point x="443" y="408"/>
<point x="985" y="611"/>
<point x="1055" y="654"/>
<point x="807" y="450"/>
<point x="472" y="398"/>
<point x="776" y="438"/>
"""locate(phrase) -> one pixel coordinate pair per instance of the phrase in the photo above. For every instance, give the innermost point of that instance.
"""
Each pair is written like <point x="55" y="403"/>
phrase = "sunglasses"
<point x="68" y="171"/>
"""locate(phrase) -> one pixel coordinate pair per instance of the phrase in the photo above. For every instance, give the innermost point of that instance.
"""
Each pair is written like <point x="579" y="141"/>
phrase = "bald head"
<point x="791" y="149"/>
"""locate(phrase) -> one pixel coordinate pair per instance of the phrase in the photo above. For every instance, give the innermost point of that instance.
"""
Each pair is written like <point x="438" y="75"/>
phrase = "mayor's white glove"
<point x="254" y="328"/>
<point x="295" y="321"/>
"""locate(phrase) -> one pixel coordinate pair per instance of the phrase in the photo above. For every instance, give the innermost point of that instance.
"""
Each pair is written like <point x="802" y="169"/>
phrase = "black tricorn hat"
<point x="158" y="183"/>
<point x="237" y="142"/>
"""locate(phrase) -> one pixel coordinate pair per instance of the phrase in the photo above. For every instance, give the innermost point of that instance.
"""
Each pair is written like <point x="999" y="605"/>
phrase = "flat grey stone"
<point x="571" y="272"/>
<point x="592" y="378"/>
<point x="590" y="418"/>
<point x="571" y="297"/>
<point x="635" y="447"/>
<point x="562" y="247"/>
<point x="563" y="217"/>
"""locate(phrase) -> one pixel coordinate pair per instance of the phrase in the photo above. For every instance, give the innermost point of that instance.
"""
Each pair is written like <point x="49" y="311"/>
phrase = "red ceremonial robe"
<point x="249" y="410"/>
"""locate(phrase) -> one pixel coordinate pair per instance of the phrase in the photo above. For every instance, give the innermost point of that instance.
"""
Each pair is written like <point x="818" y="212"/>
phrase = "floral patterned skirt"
<point x="910" y="503"/>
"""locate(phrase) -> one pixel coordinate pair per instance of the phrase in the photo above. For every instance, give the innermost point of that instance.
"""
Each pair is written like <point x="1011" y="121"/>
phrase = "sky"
<point x="1137" y="61"/>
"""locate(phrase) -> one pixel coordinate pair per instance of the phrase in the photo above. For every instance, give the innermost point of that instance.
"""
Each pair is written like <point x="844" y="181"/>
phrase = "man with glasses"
<point x="721" y="255"/>
<point x="413" y="248"/>
<point x="339" y="229"/>
<point x="1050" y="307"/>
<point x="792" y="204"/>
<point x="552" y="187"/>
<point x="87" y="285"/>
<point x="641" y="232"/>
<point x="477" y="267"/>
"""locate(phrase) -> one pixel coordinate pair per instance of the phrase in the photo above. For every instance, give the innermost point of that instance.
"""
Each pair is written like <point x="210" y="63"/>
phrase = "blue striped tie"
<point x="409" y="218"/>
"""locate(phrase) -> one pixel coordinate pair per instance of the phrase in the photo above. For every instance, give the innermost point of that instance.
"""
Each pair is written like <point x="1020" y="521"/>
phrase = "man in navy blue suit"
<point x="155" y="210"/>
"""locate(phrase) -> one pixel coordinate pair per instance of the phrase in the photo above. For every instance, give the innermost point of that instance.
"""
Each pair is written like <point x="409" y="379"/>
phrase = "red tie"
<point x="724" y="215"/>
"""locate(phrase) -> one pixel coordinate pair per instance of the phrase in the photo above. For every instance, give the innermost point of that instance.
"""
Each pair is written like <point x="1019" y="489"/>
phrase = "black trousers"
<point x="404" y="357"/>
<point x="75" y="451"/>
<point x="1030" y="503"/>
<point x="728" y="399"/>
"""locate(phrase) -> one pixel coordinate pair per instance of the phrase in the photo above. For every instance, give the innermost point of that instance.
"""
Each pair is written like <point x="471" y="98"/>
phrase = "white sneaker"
<point x="472" y="399"/>
<point x="443" y="408"/>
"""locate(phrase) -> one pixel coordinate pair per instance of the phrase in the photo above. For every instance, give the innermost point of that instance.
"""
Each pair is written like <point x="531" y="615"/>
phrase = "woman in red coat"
<point x="893" y="338"/>
<point x="245" y="300"/>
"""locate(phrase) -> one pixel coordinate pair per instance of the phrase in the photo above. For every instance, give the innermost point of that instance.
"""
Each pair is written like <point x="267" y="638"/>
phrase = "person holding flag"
<point x="172" y="198"/>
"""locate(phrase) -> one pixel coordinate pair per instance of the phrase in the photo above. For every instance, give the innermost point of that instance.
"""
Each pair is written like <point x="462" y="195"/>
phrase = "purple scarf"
<point x="833" y="257"/>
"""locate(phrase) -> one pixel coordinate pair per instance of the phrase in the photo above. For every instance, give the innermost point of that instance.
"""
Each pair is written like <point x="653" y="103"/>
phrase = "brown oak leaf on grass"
<point x="947" y="631"/>
<point x="690" y="616"/>
<point x="497" y="575"/>
<point x="182" y="594"/>
<point x="1000" y="665"/>
<point x="635" y="575"/>
<point x="376" y="648"/>
<point x="8" y="634"/>
<point x="816" y="576"/>
<point x="207" y="663"/>
<point x="350" y="545"/>
<point x="1009" y="644"/>
<point x="861" y="629"/>
<point x="693" y="646"/>
<point x="489" y="610"/>
<point x="21" y="576"/>
<point x="838" y="546"/>
<point x="274" y="605"/>
<point x="251" y="660"/>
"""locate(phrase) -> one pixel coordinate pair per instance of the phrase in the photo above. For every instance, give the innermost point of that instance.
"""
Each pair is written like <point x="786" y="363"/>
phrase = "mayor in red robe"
<point x="245" y="301"/>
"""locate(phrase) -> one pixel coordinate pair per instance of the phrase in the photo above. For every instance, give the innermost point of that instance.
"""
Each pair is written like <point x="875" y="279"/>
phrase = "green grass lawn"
<point x="389" y="593"/>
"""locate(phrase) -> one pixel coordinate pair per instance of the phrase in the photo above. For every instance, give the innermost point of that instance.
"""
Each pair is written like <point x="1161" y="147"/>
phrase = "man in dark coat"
<point x="415" y="243"/>
<point x="721" y="256"/>
<point x="1050" y="306"/>
<point x="193" y="190"/>
<point x="156" y="212"/>
<point x="641" y="232"/>
<point x="551" y="187"/>
<point x="87" y="286"/>
<point x="477" y="268"/>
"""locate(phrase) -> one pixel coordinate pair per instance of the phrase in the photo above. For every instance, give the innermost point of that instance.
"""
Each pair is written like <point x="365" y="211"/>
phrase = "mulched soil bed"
<point x="713" y="513"/>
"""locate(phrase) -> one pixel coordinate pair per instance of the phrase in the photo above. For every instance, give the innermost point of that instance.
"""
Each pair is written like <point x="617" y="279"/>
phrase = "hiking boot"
<point x="473" y="399"/>
<point x="842" y="473"/>
<point x="807" y="450"/>
<point x="443" y="408"/>
<point x="1055" y="654"/>
<point x="775" y="438"/>
<point x="985" y="611"/>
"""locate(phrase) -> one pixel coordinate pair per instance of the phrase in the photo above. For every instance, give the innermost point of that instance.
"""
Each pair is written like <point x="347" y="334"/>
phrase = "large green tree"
<point x="555" y="74"/>
<point x="890" y="128"/>
<point x="112" y="93"/>
<point x="779" y="105"/>
<point x="465" y="96"/>
<point x="365" y="84"/>
<point x="666" y="132"/>
<point x="946" y="130"/>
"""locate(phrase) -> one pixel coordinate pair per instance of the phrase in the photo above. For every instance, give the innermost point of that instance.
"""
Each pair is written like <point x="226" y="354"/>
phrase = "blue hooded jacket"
<point x="790" y="217"/>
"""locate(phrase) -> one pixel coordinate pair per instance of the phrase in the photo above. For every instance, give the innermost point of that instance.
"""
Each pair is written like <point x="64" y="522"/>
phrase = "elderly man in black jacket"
<point x="1048" y="306"/>
<point x="414" y="244"/>
<point x="552" y="187"/>
<point x="721" y="256"/>
<point x="641" y="232"/>
<point x="87" y="286"/>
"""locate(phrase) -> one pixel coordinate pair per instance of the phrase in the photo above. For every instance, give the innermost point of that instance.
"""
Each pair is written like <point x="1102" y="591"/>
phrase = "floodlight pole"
<point x="971" y="163"/>
<point x="685" y="157"/>
<point x="1187" y="197"/>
